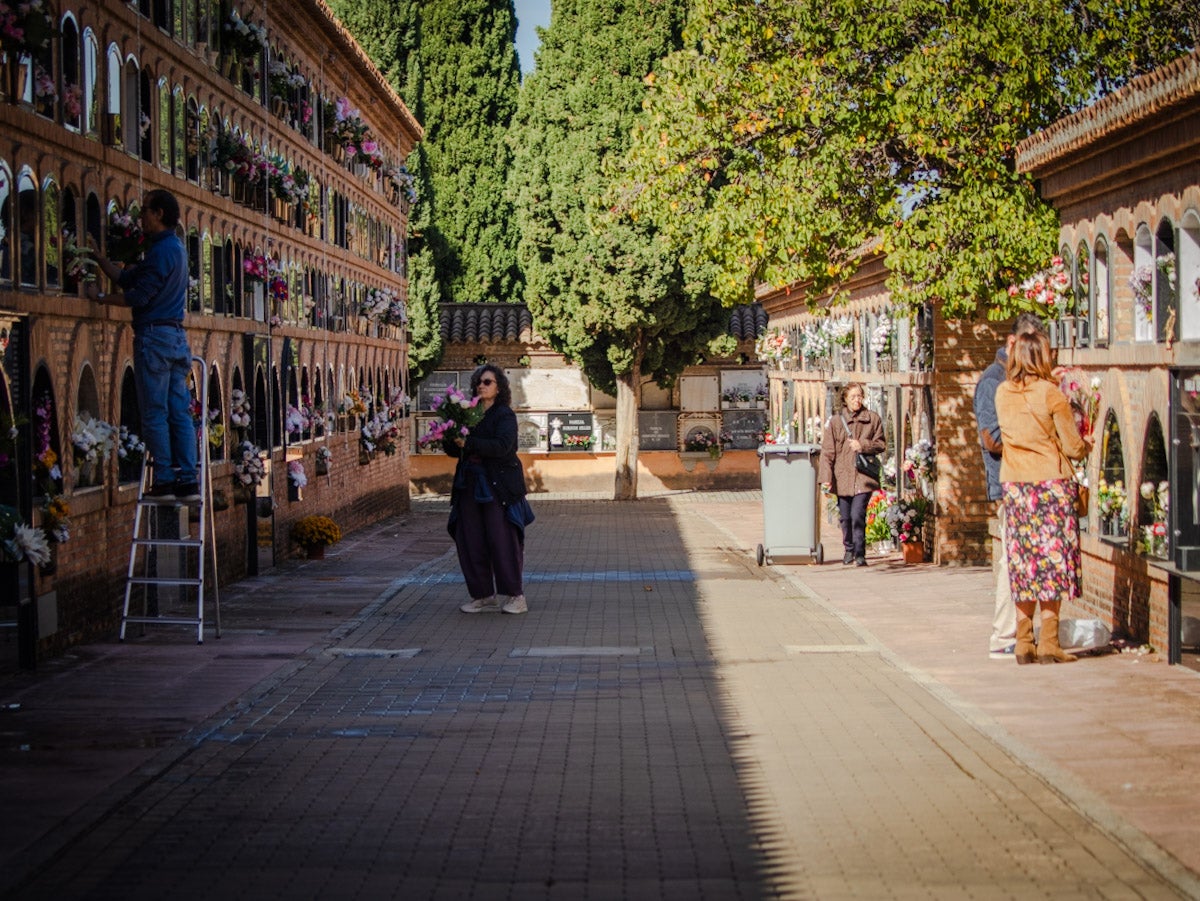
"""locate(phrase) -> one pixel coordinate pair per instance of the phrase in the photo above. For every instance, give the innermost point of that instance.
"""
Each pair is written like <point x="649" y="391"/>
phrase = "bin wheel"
<point x="760" y="555"/>
<point x="820" y="554"/>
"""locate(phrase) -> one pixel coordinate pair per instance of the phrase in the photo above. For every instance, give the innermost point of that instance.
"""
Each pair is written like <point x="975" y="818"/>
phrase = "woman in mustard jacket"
<point x="1037" y="429"/>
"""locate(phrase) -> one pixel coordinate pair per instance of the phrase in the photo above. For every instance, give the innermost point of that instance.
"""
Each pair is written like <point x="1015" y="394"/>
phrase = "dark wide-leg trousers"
<point x="853" y="512"/>
<point x="491" y="550"/>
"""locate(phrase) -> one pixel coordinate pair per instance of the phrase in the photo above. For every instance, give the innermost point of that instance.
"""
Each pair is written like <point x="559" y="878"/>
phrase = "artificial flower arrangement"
<point x="216" y="431"/>
<point x="92" y="438"/>
<point x="248" y="468"/>
<point x="403" y="180"/>
<point x="56" y="518"/>
<point x="20" y="541"/>
<point x="324" y="459"/>
<point x="283" y="80"/>
<point x="906" y="518"/>
<point x="125" y="238"/>
<point x="816" y="342"/>
<point x="25" y="27"/>
<point x="883" y="337"/>
<point x="1049" y="290"/>
<point x="242" y="38"/>
<point x="130" y="448"/>
<point x="456" y="413"/>
<point x="72" y="101"/>
<point x="1112" y="503"/>
<point x="45" y="460"/>
<point x="353" y="405"/>
<point x="578" y="442"/>
<point x="773" y="347"/>
<point x="1153" y="538"/>
<point x="298" y="419"/>
<point x="380" y="433"/>
<point x="80" y="266"/>
<point x="841" y="331"/>
<point x="375" y="303"/>
<point x="1084" y="397"/>
<point x="702" y="440"/>
<point x="919" y="461"/>
<point x="316" y="530"/>
<point x="296" y="474"/>
<point x="877" y="524"/>
<point x="239" y="409"/>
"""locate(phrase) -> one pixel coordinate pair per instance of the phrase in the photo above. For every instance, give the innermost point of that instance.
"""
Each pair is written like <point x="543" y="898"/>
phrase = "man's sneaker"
<point x="516" y="605"/>
<point x="482" y="605"/>
<point x="1003" y="653"/>
<point x="189" y="492"/>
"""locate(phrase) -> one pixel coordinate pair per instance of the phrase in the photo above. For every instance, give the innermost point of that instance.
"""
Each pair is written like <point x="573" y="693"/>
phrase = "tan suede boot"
<point x="1026" y="650"/>
<point x="1048" y="649"/>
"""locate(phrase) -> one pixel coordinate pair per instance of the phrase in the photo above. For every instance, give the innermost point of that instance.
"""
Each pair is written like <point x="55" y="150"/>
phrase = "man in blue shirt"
<point x="156" y="290"/>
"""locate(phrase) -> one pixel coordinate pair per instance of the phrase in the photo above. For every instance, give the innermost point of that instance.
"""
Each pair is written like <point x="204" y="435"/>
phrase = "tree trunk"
<point x="628" y="400"/>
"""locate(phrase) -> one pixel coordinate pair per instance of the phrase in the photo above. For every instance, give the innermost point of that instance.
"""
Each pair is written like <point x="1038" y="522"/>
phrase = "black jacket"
<point x="494" y="441"/>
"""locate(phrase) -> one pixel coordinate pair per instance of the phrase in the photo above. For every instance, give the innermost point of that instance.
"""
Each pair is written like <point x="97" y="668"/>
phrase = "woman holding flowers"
<point x="1039" y="438"/>
<point x="488" y="510"/>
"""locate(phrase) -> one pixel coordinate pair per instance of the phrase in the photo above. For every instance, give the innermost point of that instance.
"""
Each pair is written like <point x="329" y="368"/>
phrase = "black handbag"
<point x="867" y="464"/>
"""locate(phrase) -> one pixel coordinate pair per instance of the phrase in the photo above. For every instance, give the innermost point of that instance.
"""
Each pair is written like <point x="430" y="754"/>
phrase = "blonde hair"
<point x="1029" y="358"/>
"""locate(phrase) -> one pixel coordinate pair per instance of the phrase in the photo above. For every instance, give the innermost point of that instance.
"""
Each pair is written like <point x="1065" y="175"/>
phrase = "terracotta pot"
<point x="315" y="551"/>
<point x="914" y="552"/>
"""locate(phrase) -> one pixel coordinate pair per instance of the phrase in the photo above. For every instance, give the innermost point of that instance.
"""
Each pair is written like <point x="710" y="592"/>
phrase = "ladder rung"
<point x="168" y="542"/>
<point x="157" y="580"/>
<point x="168" y="502"/>
<point x="165" y="620"/>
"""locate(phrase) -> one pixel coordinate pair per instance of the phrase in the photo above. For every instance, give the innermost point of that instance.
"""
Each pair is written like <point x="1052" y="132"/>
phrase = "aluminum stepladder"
<point x="147" y="547"/>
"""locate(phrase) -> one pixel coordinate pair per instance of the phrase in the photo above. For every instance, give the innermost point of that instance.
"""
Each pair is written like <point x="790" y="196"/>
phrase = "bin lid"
<point x="785" y="450"/>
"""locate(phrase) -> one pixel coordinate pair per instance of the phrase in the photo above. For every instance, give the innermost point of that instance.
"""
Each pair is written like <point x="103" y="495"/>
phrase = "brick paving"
<point x="668" y="721"/>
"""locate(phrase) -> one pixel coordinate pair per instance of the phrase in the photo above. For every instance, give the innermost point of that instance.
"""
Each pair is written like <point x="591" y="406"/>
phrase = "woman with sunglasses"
<point x="488" y="509"/>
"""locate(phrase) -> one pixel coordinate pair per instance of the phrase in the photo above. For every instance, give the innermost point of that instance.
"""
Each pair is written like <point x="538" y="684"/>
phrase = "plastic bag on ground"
<point x="1083" y="634"/>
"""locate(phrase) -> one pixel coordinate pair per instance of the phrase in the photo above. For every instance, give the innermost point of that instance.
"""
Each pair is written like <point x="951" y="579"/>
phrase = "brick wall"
<point x="962" y="350"/>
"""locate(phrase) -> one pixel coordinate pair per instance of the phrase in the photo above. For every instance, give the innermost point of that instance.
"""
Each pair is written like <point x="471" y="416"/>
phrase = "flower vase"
<point x="914" y="552"/>
<point x="315" y="551"/>
<point x="322" y="468"/>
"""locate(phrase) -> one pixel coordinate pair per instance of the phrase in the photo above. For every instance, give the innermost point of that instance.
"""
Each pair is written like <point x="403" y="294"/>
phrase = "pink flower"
<point x="369" y="147"/>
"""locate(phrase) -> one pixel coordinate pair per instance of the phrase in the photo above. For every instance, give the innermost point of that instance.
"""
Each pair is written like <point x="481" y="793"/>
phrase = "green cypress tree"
<point x="605" y="290"/>
<point x="454" y="63"/>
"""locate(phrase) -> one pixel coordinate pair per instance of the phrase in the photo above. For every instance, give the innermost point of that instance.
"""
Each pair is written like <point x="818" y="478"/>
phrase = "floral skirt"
<point x="1042" y="540"/>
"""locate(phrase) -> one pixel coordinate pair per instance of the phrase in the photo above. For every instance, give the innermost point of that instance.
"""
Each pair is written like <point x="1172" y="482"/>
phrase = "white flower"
<point x="1147" y="490"/>
<point x="32" y="544"/>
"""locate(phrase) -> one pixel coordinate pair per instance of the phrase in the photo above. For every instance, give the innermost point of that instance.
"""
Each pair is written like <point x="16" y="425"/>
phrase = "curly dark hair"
<point x="503" y="391"/>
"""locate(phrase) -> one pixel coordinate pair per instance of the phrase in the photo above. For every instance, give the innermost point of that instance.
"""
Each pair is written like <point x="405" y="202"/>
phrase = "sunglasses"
<point x="487" y="381"/>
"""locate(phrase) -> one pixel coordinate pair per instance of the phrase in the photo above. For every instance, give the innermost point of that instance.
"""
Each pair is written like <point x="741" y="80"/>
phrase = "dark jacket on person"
<point x="837" y="459"/>
<point x="492" y="445"/>
<point x="988" y="423"/>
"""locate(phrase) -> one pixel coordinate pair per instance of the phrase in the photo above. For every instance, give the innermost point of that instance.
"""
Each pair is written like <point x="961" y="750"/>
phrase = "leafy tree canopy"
<point x="789" y="135"/>
<point x="605" y="290"/>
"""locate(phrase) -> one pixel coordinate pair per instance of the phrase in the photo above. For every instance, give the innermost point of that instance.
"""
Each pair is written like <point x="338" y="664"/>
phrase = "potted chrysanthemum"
<point x="314" y="533"/>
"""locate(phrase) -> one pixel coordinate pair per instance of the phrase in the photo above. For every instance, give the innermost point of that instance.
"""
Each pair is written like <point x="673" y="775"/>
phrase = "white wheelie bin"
<point x="790" y="502"/>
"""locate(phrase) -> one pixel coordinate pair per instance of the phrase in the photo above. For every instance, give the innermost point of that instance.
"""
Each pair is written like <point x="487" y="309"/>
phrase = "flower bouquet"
<point x="457" y="415"/>
<point x="80" y="266"/>
<point x="239" y="409"/>
<point x="1084" y="399"/>
<point x="773" y="347"/>
<point x="125" y="239"/>
<point x="296" y="474"/>
<point x="19" y="541"/>
<point x="56" y="518"/>
<point x="702" y="441"/>
<point x="918" y="461"/>
<point x="248" y="468"/>
<point x="906" y="518"/>
<point x="577" y="442"/>
<point x="92" y="439"/>
<point x="878" y="530"/>
<point x="1048" y="290"/>
<point x="130" y="448"/>
<point x="324" y="460"/>
<point x="1112" y="503"/>
<point x="316" y="530"/>
<point x="25" y="27"/>
<point x="1153" y="538"/>
<point x="380" y="433"/>
<point x="882" y="337"/>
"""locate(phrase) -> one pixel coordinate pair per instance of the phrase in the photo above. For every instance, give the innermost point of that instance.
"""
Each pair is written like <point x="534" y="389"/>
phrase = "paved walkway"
<point x="668" y="721"/>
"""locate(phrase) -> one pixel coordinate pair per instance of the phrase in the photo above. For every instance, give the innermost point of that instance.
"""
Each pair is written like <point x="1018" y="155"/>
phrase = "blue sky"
<point x="530" y="13"/>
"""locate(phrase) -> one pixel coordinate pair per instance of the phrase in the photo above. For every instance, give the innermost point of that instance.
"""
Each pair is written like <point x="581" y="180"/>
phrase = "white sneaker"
<point x="481" y="605"/>
<point x="516" y="605"/>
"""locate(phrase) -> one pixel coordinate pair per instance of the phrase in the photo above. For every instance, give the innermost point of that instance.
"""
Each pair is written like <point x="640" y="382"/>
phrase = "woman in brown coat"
<point x="1037" y="430"/>
<point x="853" y="431"/>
